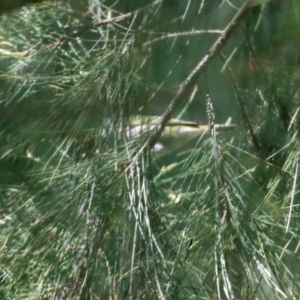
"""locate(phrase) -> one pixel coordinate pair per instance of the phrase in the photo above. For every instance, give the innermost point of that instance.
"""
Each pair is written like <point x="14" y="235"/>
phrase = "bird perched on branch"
<point x="175" y="134"/>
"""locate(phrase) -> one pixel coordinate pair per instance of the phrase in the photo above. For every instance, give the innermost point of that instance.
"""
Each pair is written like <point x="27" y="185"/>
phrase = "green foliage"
<point x="87" y="213"/>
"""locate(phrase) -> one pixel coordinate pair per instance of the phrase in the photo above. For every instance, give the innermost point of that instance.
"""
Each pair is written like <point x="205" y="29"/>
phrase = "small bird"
<point x="175" y="134"/>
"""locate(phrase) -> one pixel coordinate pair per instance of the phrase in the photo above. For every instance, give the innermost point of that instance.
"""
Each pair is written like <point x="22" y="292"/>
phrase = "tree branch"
<point x="189" y="82"/>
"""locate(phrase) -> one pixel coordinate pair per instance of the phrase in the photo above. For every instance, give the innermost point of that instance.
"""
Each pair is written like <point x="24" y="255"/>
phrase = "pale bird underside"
<point x="175" y="134"/>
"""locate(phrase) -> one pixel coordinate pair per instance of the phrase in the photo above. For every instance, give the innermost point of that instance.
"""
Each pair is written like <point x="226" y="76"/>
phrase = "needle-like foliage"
<point x="88" y="212"/>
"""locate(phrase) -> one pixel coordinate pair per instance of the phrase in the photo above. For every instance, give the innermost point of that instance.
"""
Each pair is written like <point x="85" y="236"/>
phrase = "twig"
<point x="100" y="23"/>
<point x="189" y="82"/>
<point x="124" y="16"/>
<point x="187" y="33"/>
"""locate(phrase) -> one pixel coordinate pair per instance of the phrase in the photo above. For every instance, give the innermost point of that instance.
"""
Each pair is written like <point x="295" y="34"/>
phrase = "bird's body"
<point x="175" y="134"/>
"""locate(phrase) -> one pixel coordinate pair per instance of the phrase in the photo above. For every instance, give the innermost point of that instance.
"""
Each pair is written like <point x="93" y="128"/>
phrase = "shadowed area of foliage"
<point x="7" y="6"/>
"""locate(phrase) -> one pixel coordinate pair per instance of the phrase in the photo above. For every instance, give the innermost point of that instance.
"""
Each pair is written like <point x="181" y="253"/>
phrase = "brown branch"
<point x="189" y="82"/>
<point x="103" y="22"/>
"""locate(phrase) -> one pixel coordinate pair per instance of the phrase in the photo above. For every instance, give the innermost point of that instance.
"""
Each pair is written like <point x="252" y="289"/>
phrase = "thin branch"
<point x="189" y="82"/>
<point x="124" y="16"/>
<point x="187" y="33"/>
<point x="103" y="22"/>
